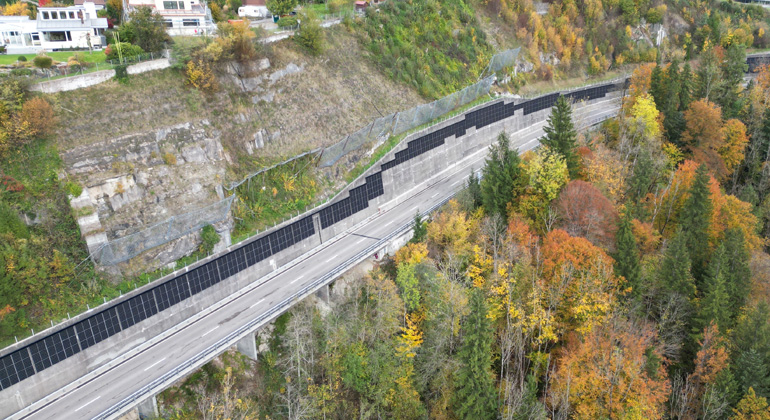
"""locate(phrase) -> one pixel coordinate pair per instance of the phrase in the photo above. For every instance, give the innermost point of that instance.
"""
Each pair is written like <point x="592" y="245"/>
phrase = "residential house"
<point x="182" y="17"/>
<point x="360" y="6"/>
<point x="56" y="28"/>
<point x="253" y="9"/>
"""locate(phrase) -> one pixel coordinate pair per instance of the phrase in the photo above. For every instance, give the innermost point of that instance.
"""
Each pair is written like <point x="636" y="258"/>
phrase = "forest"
<point x="620" y="273"/>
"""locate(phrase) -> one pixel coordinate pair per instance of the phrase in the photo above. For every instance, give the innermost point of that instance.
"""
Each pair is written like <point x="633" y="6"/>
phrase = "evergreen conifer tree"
<point x="715" y="305"/>
<point x="688" y="87"/>
<point x="476" y="397"/>
<point x="627" y="257"/>
<point x="420" y="229"/>
<point x="737" y="271"/>
<point x="674" y="273"/>
<point x="695" y="221"/>
<point x="501" y="182"/>
<point x="752" y="372"/>
<point x="561" y="136"/>
<point x="474" y="190"/>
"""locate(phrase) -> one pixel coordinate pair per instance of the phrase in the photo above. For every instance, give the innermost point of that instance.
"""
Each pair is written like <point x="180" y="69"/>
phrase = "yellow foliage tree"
<point x="734" y="145"/>
<point x="16" y="9"/>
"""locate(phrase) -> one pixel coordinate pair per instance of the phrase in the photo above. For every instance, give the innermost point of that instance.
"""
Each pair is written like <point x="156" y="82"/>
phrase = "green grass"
<point x="94" y="57"/>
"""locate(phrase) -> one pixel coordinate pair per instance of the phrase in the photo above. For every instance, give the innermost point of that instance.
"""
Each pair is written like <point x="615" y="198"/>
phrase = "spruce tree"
<point x="561" y="136"/>
<point x="420" y="229"/>
<point x="627" y="257"/>
<point x="751" y="371"/>
<point x="734" y="67"/>
<point x="688" y="87"/>
<point x="695" y="222"/>
<point x="475" y="396"/>
<point x="501" y="182"/>
<point x="737" y="271"/>
<point x="715" y="305"/>
<point x="674" y="274"/>
<point x="474" y="190"/>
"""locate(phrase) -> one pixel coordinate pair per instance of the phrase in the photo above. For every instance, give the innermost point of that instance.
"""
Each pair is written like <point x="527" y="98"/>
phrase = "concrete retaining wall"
<point x="90" y="79"/>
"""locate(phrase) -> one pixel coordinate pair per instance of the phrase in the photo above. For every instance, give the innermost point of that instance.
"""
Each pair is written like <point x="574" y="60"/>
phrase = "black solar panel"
<point x="15" y="367"/>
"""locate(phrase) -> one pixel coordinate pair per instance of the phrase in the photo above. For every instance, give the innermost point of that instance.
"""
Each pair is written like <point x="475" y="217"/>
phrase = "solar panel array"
<point x="44" y="353"/>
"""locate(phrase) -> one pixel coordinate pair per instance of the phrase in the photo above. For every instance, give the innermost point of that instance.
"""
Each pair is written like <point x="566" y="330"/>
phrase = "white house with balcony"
<point x="71" y="27"/>
<point x="182" y="17"/>
<point x="56" y="28"/>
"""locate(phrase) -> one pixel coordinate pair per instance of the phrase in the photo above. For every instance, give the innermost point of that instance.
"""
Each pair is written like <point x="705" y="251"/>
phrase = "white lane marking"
<point x="295" y="280"/>
<point x="256" y="304"/>
<point x="152" y="365"/>
<point x="361" y="240"/>
<point x="209" y="331"/>
<point x="332" y="258"/>
<point x="434" y="195"/>
<point x="415" y="208"/>
<point x="81" y="407"/>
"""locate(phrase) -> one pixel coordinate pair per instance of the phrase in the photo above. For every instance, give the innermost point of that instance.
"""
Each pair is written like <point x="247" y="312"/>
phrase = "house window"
<point x="54" y="15"/>
<point x="45" y="15"/>
<point x="57" y="36"/>
<point x="72" y="15"/>
<point x="173" y="5"/>
<point x="168" y="23"/>
<point x="190" y="22"/>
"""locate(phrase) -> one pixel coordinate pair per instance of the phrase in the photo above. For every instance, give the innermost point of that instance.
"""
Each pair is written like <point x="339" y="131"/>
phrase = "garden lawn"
<point x="94" y="57"/>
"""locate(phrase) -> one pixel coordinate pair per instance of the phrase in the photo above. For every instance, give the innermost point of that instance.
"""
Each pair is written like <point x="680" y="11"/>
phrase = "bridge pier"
<point x="148" y="409"/>
<point x="323" y="293"/>
<point x="247" y="346"/>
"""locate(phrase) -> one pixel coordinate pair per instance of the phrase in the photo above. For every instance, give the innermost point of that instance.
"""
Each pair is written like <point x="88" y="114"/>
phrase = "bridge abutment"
<point x="148" y="409"/>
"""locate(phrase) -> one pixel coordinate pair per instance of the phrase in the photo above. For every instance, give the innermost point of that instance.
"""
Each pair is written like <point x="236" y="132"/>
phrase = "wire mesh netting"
<point x="395" y="124"/>
<point x="127" y="247"/>
<point x="504" y="59"/>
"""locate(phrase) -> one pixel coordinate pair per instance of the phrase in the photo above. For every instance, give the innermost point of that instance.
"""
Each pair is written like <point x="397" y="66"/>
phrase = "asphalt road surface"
<point x="99" y="394"/>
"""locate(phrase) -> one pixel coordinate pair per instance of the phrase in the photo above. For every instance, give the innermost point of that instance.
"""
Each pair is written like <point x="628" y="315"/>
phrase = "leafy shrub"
<point x="21" y="59"/>
<point x="183" y="48"/>
<point x="169" y="158"/>
<point x="310" y="35"/>
<point x="121" y="72"/>
<point x="10" y="222"/>
<point x="201" y="76"/>
<point x="287" y="21"/>
<point x="40" y="116"/>
<point x="21" y="72"/>
<point x="128" y="50"/>
<point x="73" y="188"/>
<point x="42" y="62"/>
<point x="209" y="239"/>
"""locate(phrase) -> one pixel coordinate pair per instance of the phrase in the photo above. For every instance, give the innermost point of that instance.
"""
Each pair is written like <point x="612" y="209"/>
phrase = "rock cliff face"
<point x="134" y="181"/>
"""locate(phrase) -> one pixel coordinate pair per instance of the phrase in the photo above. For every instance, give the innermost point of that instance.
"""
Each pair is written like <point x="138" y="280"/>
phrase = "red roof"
<point x="253" y="2"/>
<point x="96" y="2"/>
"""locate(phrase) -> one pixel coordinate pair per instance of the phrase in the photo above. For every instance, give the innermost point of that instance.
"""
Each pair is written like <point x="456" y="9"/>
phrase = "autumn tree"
<point x="16" y="9"/>
<point x="561" y="136"/>
<point x="585" y="212"/>
<point x="578" y="281"/>
<point x="281" y="7"/>
<point x="501" y="182"/>
<point x="704" y="136"/>
<point x="751" y="407"/>
<point x="735" y="141"/>
<point x="615" y="371"/>
<point x="476" y="397"/>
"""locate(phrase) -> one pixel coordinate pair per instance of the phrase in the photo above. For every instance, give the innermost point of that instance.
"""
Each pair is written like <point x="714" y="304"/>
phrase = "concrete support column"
<point x="148" y="409"/>
<point x="317" y="226"/>
<point x="323" y="293"/>
<point x="247" y="346"/>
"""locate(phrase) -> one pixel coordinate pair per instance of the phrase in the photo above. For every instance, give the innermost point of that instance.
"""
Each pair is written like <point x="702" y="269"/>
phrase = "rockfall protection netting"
<point x="400" y="122"/>
<point x="127" y="247"/>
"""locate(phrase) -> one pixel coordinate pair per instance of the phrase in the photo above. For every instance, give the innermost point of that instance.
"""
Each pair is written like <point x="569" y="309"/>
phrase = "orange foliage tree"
<point x="585" y="212"/>
<point x="577" y="281"/>
<point x="704" y="135"/>
<point x="40" y="116"/>
<point x="614" y="372"/>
